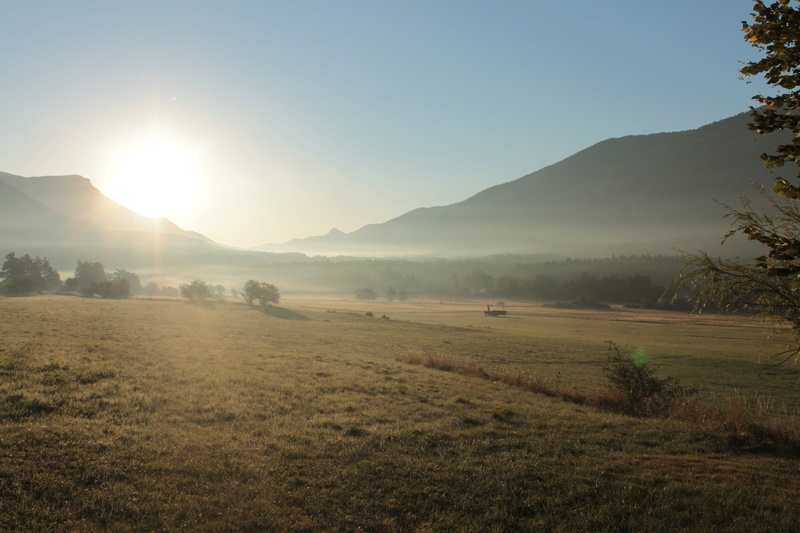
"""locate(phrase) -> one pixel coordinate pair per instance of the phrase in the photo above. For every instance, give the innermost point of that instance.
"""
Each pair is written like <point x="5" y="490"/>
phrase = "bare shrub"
<point x="635" y="388"/>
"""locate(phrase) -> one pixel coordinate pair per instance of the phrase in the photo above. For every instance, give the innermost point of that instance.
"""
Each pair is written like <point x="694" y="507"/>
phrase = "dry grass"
<point x="474" y="367"/>
<point x="161" y="416"/>
<point x="735" y="418"/>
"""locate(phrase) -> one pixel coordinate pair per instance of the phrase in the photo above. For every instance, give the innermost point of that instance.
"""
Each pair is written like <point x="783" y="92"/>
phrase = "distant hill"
<point x="635" y="194"/>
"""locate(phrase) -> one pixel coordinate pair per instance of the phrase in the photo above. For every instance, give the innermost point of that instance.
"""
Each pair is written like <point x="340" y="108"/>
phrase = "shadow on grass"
<point x="282" y="313"/>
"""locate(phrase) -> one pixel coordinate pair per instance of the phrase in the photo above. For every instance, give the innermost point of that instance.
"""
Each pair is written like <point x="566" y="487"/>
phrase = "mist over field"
<point x="608" y="224"/>
<point x="410" y="266"/>
<point x="634" y="196"/>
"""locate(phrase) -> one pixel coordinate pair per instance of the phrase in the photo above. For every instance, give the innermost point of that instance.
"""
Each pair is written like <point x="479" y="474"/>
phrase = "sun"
<point x="156" y="177"/>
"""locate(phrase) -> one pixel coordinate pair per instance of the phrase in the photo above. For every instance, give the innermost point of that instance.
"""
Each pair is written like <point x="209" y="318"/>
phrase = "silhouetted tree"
<point x="87" y="274"/>
<point x="768" y="286"/>
<point x="170" y="291"/>
<point x="543" y="286"/>
<point x="364" y="293"/>
<point x="196" y="291"/>
<point x="479" y="283"/>
<point x="152" y="289"/>
<point x="261" y="291"/>
<point x="91" y="279"/>
<point x="250" y="291"/>
<point x="219" y="292"/>
<point x="134" y="283"/>
<point x="112" y="288"/>
<point x="26" y="275"/>
<point x="507" y="286"/>
<point x="269" y="295"/>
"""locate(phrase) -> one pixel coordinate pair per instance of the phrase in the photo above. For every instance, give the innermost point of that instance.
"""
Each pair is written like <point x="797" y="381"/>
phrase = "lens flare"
<point x="640" y="357"/>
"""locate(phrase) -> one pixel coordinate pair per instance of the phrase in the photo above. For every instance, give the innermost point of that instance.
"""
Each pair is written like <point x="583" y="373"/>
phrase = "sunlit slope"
<point x="66" y="219"/>
<point x="76" y="197"/>
<point x="160" y="416"/>
<point x="21" y="212"/>
<point x="635" y="194"/>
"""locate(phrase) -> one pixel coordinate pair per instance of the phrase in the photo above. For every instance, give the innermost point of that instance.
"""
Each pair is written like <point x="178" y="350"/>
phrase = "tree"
<point x="119" y="288"/>
<point x="402" y="295"/>
<point x="87" y="274"/>
<point x="152" y="289"/>
<point x="479" y="283"/>
<point x="134" y="283"/>
<point x="170" y="291"/>
<point x="391" y="294"/>
<point x="27" y="275"/>
<point x="91" y="279"/>
<point x="196" y="291"/>
<point x="363" y="293"/>
<point x="52" y="279"/>
<point x="250" y="291"/>
<point x="269" y="294"/>
<point x="219" y="292"/>
<point x="261" y="291"/>
<point x="770" y="285"/>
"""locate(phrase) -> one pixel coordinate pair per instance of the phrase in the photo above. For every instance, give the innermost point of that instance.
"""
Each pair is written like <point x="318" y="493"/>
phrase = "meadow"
<point x="157" y="415"/>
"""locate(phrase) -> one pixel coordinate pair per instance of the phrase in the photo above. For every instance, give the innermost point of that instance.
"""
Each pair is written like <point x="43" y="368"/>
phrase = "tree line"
<point x="369" y="294"/>
<point x="26" y="275"/>
<point x="393" y="280"/>
<point x="615" y="288"/>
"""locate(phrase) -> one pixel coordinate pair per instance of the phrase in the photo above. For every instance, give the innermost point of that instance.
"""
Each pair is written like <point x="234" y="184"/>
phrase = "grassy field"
<point x="719" y="355"/>
<point x="140" y="415"/>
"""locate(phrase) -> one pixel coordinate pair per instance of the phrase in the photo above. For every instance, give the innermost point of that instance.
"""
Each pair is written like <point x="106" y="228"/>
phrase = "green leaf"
<point x="783" y="188"/>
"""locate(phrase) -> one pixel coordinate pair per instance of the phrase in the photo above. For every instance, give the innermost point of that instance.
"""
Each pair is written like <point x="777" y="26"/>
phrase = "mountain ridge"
<point x="66" y="218"/>
<point x="631" y="194"/>
<point x="75" y="196"/>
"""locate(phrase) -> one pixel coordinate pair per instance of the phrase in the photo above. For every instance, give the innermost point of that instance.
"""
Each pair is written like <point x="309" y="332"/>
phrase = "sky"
<point x="256" y="122"/>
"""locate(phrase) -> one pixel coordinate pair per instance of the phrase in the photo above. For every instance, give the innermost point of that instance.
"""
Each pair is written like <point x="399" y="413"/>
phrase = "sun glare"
<point x="155" y="178"/>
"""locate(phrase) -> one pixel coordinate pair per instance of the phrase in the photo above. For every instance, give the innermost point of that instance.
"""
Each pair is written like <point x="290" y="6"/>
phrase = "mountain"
<point x="19" y="211"/>
<point x="634" y="194"/>
<point x="66" y="218"/>
<point x="76" y="197"/>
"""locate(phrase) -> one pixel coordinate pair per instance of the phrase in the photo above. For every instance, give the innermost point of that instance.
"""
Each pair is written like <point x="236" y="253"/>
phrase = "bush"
<point x="637" y="391"/>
